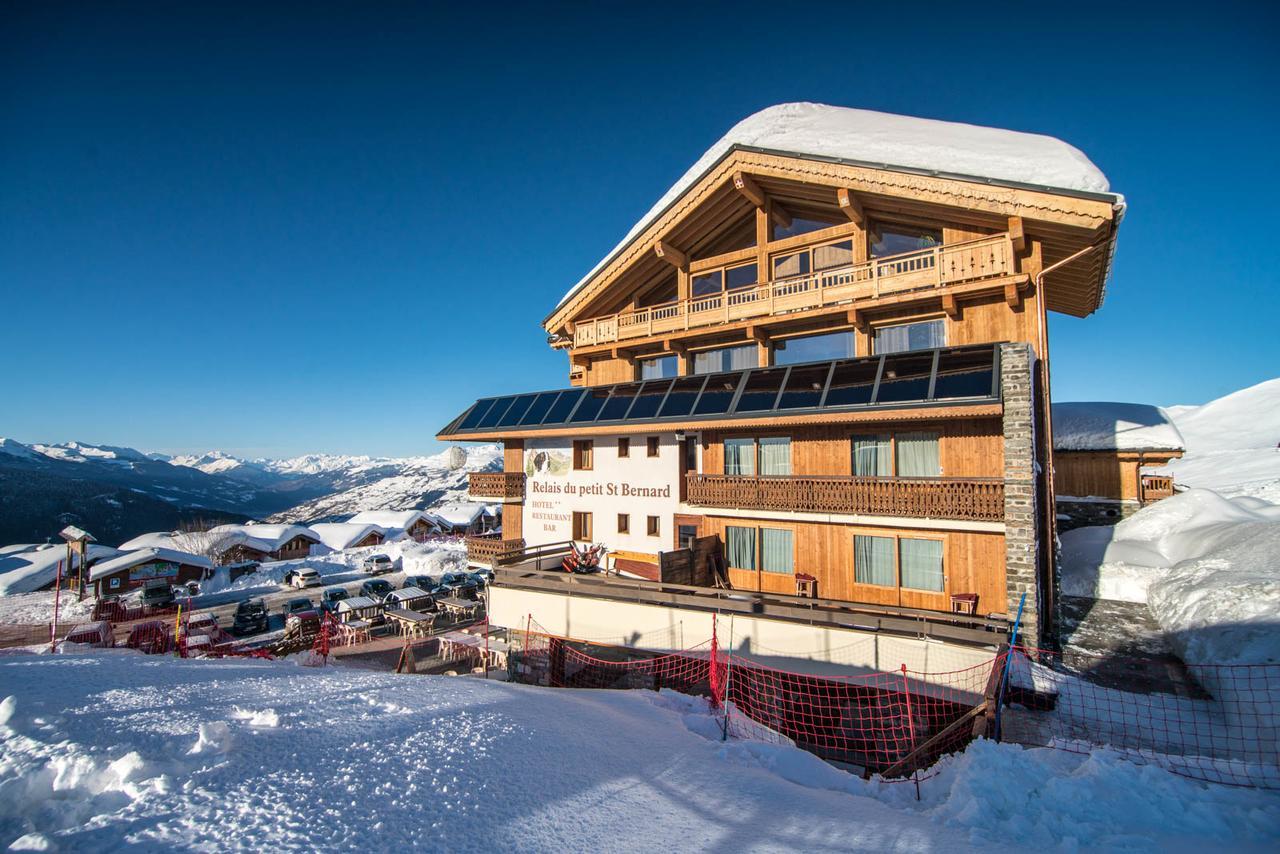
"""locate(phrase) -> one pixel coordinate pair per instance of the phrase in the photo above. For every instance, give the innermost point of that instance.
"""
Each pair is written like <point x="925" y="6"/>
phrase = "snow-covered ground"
<point x="100" y="751"/>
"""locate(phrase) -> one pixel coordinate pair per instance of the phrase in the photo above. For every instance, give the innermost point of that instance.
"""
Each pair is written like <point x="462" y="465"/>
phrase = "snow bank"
<point x="98" y="751"/>
<point x="1099" y="426"/>
<point x="889" y="140"/>
<point x="1206" y="566"/>
<point x="27" y="571"/>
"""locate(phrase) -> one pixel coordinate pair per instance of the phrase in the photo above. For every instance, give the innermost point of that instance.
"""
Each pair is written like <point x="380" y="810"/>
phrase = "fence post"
<point x="911" y="726"/>
<point x="57" y="595"/>
<point x="1008" y="662"/>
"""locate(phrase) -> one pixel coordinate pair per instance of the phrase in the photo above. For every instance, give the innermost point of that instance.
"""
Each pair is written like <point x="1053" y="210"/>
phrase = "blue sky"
<point x="330" y="227"/>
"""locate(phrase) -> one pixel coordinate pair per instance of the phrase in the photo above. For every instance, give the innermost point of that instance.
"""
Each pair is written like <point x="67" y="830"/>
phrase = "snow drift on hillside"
<point x="99" y="752"/>
<point x="1206" y="566"/>
<point x="1233" y="443"/>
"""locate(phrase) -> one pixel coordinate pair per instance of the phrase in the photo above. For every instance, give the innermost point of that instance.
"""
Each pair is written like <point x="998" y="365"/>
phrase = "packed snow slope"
<point x="1233" y="443"/>
<point x="99" y="752"/>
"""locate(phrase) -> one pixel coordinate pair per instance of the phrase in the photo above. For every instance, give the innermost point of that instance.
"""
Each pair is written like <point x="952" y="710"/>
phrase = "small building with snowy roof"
<point x="348" y="535"/>
<point x="1100" y="449"/>
<point x="399" y="524"/>
<point x="226" y="547"/>
<point x="286" y="542"/>
<point x="134" y="569"/>
<point x="465" y="518"/>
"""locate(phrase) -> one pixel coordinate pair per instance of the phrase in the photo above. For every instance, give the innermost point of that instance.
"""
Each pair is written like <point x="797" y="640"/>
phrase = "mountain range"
<point x="117" y="493"/>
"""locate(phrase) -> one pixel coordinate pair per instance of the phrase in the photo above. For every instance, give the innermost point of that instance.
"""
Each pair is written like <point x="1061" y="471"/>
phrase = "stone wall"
<point x="1084" y="514"/>
<point x="1016" y="361"/>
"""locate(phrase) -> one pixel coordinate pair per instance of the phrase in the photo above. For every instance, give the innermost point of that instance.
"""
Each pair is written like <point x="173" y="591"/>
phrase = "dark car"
<point x="484" y="574"/>
<point x="152" y="638"/>
<point x="331" y="597"/>
<point x="376" y="589"/>
<point x="297" y="606"/>
<point x="250" y="618"/>
<point x="157" y="594"/>
<point x="422" y="582"/>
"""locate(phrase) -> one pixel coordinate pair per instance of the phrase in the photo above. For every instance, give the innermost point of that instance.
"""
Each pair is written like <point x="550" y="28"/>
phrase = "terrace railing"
<point x="971" y="499"/>
<point x="484" y="550"/>
<point x="935" y="268"/>
<point x="1156" y="486"/>
<point x="496" y="484"/>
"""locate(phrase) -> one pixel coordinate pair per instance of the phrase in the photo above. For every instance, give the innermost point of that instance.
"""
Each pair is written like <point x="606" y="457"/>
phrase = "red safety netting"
<point x="1218" y="723"/>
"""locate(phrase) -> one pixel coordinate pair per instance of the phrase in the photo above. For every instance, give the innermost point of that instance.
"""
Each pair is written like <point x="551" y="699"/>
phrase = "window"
<point x="740" y="547"/>
<point x="725" y="359"/>
<point x="652" y="445"/>
<point x="583" y="451"/>
<point x="925" y="335"/>
<point x="659" y="367"/>
<point x="582" y="526"/>
<point x="776" y="551"/>
<point x="624" y="523"/>
<point x="624" y="447"/>
<point x="873" y="560"/>
<point x="921" y="564"/>
<point x="686" y="535"/>
<point x="813" y="348"/>
<point x="813" y="260"/>
<point x="770" y="455"/>
<point x="896" y="239"/>
<point x="652" y="526"/>
<point x="713" y="282"/>
<point x="800" y="225"/>
<point x="914" y="454"/>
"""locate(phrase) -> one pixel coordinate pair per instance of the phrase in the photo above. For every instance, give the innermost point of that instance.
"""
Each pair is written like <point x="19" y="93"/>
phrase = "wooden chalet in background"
<point x="838" y="368"/>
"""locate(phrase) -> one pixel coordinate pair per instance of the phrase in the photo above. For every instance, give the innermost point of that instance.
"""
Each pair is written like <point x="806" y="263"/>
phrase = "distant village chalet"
<point x="819" y="364"/>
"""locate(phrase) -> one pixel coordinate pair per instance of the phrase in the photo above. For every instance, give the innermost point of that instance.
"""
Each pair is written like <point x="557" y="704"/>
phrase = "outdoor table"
<point x="458" y="607"/>
<point x="410" y="622"/>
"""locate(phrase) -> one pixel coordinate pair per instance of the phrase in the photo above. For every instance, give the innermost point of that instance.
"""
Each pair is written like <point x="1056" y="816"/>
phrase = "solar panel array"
<point x="921" y="377"/>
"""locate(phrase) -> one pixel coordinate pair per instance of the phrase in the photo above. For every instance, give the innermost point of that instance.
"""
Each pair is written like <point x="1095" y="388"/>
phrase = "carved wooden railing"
<point x="974" y="499"/>
<point x="496" y="484"/>
<point x="485" y="549"/>
<point x="934" y="268"/>
<point x="1156" y="486"/>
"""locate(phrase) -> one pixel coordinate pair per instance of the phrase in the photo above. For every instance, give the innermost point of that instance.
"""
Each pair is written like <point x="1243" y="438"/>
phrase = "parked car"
<point x="157" y="594"/>
<point x="152" y="637"/>
<point x="191" y="588"/>
<point x="297" y="606"/>
<point x="422" y="582"/>
<point x="376" y="589"/>
<point x="379" y="564"/>
<point x="469" y="587"/>
<point x="331" y="597"/>
<point x="302" y="578"/>
<point x="92" y="634"/>
<point x="250" y="618"/>
<point x="484" y="574"/>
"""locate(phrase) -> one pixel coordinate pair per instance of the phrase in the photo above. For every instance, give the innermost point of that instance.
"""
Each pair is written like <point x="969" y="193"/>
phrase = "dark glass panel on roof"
<point x="538" y="409"/>
<point x="649" y="399"/>
<point x="804" y="387"/>
<point x="852" y="383"/>
<point x="518" y="409"/>
<point x="761" y="390"/>
<point x="477" y="412"/>
<point x="591" y="405"/>
<point x="683" y="394"/>
<point x="905" y="377"/>
<point x="618" y="405"/>
<point x="966" y="373"/>
<point x="563" y="406"/>
<point x="718" y="394"/>
<point x="499" y="408"/>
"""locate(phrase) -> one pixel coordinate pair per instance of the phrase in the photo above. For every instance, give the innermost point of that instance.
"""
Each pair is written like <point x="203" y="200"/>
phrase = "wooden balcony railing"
<point x="973" y="499"/>
<point x="1156" y="486"/>
<point x="927" y="269"/>
<point x="496" y="484"/>
<point x="485" y="549"/>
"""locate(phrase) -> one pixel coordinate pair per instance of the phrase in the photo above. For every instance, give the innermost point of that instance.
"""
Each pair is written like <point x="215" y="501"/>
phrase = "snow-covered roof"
<point x="141" y="556"/>
<point x="31" y="569"/>
<point x="893" y="142"/>
<point x="154" y="539"/>
<point x="402" y="519"/>
<point x="344" y="535"/>
<point x="459" y="514"/>
<point x="272" y="536"/>
<point x="1105" y="426"/>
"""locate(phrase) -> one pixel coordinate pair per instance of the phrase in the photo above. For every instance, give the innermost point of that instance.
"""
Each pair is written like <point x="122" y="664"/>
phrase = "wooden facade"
<point x="1113" y="475"/>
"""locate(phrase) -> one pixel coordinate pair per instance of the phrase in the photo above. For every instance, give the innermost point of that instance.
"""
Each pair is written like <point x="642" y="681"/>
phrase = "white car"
<point x="300" y="578"/>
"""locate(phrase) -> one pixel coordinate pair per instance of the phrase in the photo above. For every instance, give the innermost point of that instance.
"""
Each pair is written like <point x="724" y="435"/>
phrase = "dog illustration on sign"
<point x="550" y="463"/>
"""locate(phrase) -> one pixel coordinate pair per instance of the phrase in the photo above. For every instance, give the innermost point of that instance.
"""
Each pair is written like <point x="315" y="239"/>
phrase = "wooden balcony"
<point x="933" y="269"/>
<point x="504" y="485"/>
<point x="1155" y="487"/>
<point x="972" y="499"/>
<point x="484" y="550"/>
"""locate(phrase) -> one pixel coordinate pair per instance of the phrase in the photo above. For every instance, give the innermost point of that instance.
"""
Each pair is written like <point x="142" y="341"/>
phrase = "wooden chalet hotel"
<point x="811" y="388"/>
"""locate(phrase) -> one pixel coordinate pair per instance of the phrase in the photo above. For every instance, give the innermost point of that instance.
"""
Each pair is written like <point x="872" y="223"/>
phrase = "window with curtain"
<point x="740" y="547"/>
<point x="775" y="455"/>
<point x="725" y="359"/>
<point x="873" y="560"/>
<point x="925" y="335"/>
<point x="921" y="564"/>
<point x="917" y="455"/>
<point x="776" y="551"/>
<point x="872" y="455"/>
<point x="833" y="255"/>
<point x="813" y="348"/>
<point x="740" y="457"/>
<point x="659" y="368"/>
